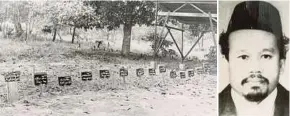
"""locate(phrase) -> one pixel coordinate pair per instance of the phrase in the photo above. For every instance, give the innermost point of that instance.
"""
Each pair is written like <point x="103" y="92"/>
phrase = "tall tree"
<point x="15" y="12"/>
<point x="78" y="15"/>
<point x="126" y="13"/>
<point x="52" y="11"/>
<point x="57" y="14"/>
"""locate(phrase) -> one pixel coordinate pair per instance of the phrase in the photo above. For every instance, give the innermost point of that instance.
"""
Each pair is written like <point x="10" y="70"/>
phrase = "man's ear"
<point x="282" y="66"/>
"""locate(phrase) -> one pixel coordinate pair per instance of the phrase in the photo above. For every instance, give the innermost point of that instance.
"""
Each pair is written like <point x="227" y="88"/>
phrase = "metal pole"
<point x="193" y="45"/>
<point x="164" y="26"/>
<point x="162" y="39"/>
<point x="202" y="11"/>
<point x="182" y="58"/>
<point x="211" y="27"/>
<point x="155" y="35"/>
<point x="181" y="54"/>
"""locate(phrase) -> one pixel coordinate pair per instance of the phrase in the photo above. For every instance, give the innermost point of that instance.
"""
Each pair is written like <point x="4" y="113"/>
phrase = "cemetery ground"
<point x="147" y="95"/>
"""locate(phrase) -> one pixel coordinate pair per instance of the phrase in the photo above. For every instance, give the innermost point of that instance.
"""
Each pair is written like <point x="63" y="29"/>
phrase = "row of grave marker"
<point x="41" y="77"/>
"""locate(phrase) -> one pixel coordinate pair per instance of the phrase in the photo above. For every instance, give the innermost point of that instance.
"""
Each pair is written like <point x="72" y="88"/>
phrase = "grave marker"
<point x="173" y="74"/>
<point x="40" y="78"/>
<point x="152" y="71"/>
<point x="182" y="74"/>
<point x="140" y="72"/>
<point x="123" y="72"/>
<point x="199" y="70"/>
<point x="86" y="76"/>
<point x="162" y="69"/>
<point x="190" y="73"/>
<point x="64" y="81"/>
<point x="207" y="70"/>
<point x="12" y="76"/>
<point x="12" y="79"/>
<point x="104" y="74"/>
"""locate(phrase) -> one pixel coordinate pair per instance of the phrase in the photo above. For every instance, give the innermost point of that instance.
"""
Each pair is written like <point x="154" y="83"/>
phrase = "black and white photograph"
<point x="110" y="58"/>
<point x="253" y="58"/>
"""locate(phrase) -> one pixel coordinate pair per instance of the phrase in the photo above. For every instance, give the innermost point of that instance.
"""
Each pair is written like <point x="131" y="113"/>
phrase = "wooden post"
<point x="41" y="85"/>
<point x="91" y="83"/>
<point x="12" y="86"/>
<point x="123" y="73"/>
<point x="40" y="95"/>
<point x="140" y="73"/>
<point x="114" y="86"/>
<point x="41" y="90"/>
<point x="13" y="95"/>
<point x="173" y="76"/>
<point x="182" y="75"/>
<point x="161" y="71"/>
<point x="124" y="82"/>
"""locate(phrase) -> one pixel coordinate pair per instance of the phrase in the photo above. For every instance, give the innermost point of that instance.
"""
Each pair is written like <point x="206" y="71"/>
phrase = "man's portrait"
<point x="253" y="43"/>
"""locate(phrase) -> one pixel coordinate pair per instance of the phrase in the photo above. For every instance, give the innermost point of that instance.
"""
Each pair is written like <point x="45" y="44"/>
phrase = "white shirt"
<point x="246" y="108"/>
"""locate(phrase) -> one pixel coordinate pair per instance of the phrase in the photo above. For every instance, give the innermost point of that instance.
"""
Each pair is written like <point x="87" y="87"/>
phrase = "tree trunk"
<point x="18" y="29"/>
<point x="126" y="39"/>
<point x="1" y="26"/>
<point x="54" y="34"/>
<point x="59" y="36"/>
<point x="73" y="35"/>
<point x="16" y="21"/>
<point x="26" y="31"/>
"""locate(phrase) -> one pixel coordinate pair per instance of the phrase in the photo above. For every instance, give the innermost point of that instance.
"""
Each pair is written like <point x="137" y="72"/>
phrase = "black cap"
<point x="256" y="15"/>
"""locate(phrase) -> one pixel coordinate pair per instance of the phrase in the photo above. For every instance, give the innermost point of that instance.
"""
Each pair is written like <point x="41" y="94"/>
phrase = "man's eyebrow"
<point x="241" y="51"/>
<point x="272" y="50"/>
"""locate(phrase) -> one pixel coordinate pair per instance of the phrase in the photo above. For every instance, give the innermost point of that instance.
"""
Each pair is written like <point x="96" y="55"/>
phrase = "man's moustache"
<point x="259" y="76"/>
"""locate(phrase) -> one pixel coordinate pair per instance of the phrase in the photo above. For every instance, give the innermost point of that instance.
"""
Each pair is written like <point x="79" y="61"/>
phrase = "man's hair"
<point x="254" y="15"/>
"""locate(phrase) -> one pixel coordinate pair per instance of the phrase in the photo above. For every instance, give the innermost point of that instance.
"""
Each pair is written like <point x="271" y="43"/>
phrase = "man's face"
<point x="254" y="63"/>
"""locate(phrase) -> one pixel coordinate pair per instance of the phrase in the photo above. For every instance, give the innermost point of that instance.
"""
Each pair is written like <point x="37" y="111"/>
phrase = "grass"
<point x="64" y="58"/>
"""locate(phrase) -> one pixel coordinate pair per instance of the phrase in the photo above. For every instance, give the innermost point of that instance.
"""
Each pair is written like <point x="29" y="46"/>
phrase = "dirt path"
<point x="179" y="101"/>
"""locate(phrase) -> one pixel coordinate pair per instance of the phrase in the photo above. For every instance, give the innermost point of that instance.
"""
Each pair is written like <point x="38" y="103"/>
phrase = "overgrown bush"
<point x="163" y="49"/>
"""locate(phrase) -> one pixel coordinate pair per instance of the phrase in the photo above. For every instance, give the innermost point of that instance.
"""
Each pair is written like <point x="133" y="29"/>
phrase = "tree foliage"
<point x="57" y="14"/>
<point x="15" y="12"/>
<point x="212" y="55"/>
<point x="79" y="15"/>
<point x="163" y="48"/>
<point x="113" y="14"/>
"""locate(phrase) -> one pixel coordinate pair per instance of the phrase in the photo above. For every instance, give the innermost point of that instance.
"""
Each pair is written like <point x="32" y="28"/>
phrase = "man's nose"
<point x="255" y="67"/>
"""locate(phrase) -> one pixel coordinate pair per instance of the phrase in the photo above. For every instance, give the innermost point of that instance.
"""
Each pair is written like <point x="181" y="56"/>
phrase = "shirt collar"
<point x="244" y="107"/>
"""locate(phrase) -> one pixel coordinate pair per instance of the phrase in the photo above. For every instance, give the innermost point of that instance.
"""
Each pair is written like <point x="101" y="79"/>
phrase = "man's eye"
<point x="266" y="56"/>
<point x="244" y="57"/>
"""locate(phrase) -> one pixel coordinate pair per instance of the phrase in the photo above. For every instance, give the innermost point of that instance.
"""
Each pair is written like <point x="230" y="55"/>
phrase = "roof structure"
<point x="189" y="12"/>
